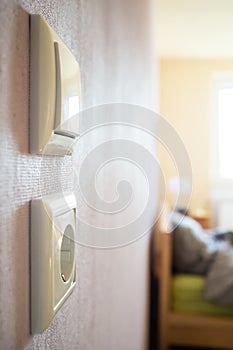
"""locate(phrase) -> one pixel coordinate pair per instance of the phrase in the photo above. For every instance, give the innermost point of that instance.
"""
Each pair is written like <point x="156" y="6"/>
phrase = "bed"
<point x="185" y="317"/>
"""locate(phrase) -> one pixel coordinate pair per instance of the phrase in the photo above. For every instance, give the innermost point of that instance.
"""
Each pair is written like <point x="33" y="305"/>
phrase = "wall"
<point x="185" y="88"/>
<point x="112" y="42"/>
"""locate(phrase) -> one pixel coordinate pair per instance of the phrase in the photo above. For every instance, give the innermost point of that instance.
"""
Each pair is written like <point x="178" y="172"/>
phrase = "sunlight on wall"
<point x="185" y="101"/>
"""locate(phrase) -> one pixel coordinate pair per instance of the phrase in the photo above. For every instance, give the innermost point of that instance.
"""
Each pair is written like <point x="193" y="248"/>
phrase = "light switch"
<point x="53" y="268"/>
<point x="55" y="91"/>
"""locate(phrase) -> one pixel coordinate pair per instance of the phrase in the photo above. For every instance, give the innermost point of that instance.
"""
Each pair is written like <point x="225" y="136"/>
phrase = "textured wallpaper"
<point x="113" y="43"/>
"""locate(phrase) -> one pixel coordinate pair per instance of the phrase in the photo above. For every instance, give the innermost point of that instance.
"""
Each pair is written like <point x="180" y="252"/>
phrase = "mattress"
<point x="187" y="297"/>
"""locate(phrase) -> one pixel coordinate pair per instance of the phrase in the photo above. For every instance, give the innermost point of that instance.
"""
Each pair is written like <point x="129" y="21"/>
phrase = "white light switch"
<point x="55" y="91"/>
<point x="53" y="268"/>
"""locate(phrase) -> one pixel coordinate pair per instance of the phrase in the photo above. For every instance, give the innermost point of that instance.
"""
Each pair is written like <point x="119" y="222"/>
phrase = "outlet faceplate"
<point x="53" y="267"/>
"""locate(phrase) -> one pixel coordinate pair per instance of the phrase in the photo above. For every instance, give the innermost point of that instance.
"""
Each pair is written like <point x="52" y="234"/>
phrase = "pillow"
<point x="219" y="280"/>
<point x="193" y="248"/>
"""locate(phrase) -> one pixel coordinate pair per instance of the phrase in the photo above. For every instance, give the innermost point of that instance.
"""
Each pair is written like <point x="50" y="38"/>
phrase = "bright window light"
<point x="225" y="132"/>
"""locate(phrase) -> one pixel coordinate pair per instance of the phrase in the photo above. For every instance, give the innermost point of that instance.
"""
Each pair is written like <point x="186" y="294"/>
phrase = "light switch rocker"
<point x="55" y="91"/>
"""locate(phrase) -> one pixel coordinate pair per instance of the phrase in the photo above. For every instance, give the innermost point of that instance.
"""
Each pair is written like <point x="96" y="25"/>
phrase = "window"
<point x="221" y="130"/>
<point x="225" y="133"/>
<point x="221" y="149"/>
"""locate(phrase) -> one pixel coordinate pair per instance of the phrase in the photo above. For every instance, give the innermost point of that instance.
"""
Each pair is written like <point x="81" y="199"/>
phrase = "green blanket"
<point x="187" y="297"/>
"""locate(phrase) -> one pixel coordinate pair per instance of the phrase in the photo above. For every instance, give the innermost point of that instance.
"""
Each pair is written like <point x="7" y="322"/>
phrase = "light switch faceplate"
<point x="53" y="267"/>
<point x="55" y="91"/>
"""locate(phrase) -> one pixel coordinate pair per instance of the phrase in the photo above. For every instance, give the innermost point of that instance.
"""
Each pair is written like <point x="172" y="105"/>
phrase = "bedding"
<point x="187" y="297"/>
<point x="193" y="248"/>
<point x="197" y="252"/>
<point x="219" y="279"/>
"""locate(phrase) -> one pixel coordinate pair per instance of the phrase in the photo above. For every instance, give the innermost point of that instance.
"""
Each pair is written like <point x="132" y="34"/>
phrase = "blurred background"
<point x="194" y="40"/>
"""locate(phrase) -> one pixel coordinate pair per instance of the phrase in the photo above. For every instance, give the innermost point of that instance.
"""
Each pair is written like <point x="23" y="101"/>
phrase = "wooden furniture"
<point x="182" y="329"/>
<point x="201" y="216"/>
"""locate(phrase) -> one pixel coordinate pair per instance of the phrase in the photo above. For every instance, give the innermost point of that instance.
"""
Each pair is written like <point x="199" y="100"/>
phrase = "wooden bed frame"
<point x="181" y="329"/>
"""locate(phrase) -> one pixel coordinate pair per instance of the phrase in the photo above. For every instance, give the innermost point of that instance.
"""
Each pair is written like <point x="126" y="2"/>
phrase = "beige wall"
<point x="185" y="87"/>
<point x="109" y="307"/>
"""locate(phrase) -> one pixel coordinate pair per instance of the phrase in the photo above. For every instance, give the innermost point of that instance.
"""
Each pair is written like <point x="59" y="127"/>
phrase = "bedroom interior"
<point x="109" y="307"/>
<point x="195" y="58"/>
<point x="196" y="81"/>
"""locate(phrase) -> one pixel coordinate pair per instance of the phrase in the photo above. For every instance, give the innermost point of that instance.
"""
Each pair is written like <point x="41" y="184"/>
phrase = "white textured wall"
<point x="111" y="40"/>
